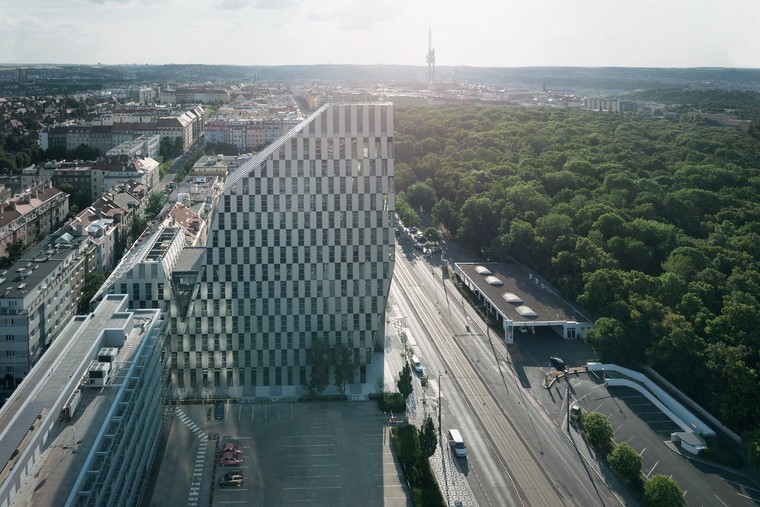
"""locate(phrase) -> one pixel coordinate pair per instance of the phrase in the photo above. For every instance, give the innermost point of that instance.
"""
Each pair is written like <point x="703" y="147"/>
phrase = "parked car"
<point x="232" y="446"/>
<point x="231" y="478"/>
<point x="219" y="411"/>
<point x="230" y="459"/>
<point x="417" y="365"/>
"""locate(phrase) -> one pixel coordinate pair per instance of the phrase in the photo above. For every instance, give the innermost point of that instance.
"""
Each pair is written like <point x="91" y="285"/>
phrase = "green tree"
<point x="421" y="196"/>
<point x="598" y="430"/>
<point x="13" y="252"/>
<point x="662" y="491"/>
<point x="404" y="382"/>
<point x="92" y="283"/>
<point x="406" y="213"/>
<point x="626" y="461"/>
<point x="608" y="340"/>
<point x="345" y="367"/>
<point x="432" y="234"/>
<point x="428" y="438"/>
<point x="139" y="224"/>
<point x="318" y="359"/>
<point x="751" y="444"/>
<point x="446" y="214"/>
<point x="156" y="202"/>
<point x="478" y="220"/>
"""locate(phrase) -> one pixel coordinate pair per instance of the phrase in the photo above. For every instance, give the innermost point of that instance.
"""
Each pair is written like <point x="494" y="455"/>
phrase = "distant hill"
<point x="580" y="80"/>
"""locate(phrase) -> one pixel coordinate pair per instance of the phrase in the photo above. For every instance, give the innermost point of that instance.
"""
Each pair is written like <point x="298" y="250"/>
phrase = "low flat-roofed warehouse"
<point x="517" y="298"/>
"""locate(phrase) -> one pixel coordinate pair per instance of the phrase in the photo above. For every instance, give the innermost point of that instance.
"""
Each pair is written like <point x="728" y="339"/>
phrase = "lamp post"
<point x="440" y="429"/>
<point x="567" y="397"/>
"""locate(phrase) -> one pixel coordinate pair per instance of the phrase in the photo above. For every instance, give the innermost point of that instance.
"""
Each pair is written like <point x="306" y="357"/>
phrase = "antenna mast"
<point x="431" y="60"/>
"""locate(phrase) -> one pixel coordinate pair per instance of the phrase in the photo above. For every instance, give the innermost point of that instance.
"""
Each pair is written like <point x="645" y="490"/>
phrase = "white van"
<point x="457" y="443"/>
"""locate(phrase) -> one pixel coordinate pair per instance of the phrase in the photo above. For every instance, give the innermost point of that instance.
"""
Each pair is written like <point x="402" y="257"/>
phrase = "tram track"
<point x="529" y="482"/>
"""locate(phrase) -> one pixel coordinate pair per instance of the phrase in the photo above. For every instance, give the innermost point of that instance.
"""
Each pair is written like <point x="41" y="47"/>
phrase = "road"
<point x="516" y="454"/>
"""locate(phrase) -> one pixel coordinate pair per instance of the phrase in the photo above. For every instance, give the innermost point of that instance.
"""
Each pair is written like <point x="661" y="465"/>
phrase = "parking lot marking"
<point x="316" y="465"/>
<point x="311" y="487"/>
<point x="652" y="469"/>
<point x="743" y="486"/>
<point x="721" y="501"/>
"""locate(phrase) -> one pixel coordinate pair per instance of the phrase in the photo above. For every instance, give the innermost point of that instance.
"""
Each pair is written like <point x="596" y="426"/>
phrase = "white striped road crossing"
<point x="200" y="459"/>
<point x="191" y="425"/>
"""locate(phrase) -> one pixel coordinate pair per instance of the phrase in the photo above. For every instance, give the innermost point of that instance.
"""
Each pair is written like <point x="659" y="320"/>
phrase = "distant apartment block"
<point x="249" y="134"/>
<point x="609" y="105"/>
<point x="203" y="95"/>
<point x="217" y="166"/>
<point x="39" y="293"/>
<point x="125" y="126"/>
<point x="83" y="428"/>
<point x="141" y="146"/>
<point x="301" y="248"/>
<point x="35" y="212"/>
<point x="71" y="137"/>
<point x="38" y="297"/>
<point x="108" y="172"/>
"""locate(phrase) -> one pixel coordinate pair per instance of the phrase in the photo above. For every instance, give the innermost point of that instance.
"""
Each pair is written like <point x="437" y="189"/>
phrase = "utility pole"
<point x="440" y="428"/>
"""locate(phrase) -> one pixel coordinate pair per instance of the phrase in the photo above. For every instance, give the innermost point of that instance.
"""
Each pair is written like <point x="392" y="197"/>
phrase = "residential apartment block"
<point x="37" y="211"/>
<point x="140" y="146"/>
<point x="39" y="293"/>
<point x="108" y="171"/>
<point x="38" y="297"/>
<point x="125" y="126"/>
<point x="301" y="248"/>
<point x="83" y="428"/>
<point x="246" y="134"/>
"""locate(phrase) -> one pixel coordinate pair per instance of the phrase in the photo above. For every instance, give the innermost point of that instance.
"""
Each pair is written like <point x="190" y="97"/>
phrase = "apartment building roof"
<point x="29" y="274"/>
<point x="26" y="203"/>
<point x="37" y="435"/>
<point x="184" y="217"/>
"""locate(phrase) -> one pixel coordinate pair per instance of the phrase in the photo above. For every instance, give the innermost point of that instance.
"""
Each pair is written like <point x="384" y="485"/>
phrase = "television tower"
<point x="431" y="60"/>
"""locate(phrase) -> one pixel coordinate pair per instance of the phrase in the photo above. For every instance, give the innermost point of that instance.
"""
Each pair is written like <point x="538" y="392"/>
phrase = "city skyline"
<point x="588" y="33"/>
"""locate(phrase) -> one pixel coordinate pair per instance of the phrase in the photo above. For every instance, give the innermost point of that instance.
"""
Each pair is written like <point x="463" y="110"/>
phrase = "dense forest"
<point x="651" y="225"/>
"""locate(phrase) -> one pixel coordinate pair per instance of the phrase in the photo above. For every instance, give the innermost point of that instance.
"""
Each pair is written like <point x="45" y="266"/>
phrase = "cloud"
<point x="269" y="5"/>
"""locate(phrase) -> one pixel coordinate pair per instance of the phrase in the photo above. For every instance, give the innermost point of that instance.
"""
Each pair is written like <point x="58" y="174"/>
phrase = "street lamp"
<point x="440" y="429"/>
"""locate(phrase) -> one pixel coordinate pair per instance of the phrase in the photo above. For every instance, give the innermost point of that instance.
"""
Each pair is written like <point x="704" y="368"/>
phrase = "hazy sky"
<point x="499" y="33"/>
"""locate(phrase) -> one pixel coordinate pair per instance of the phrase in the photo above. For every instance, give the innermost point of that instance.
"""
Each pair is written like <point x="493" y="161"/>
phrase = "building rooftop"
<point x="43" y="448"/>
<point x="502" y="283"/>
<point x="35" y="265"/>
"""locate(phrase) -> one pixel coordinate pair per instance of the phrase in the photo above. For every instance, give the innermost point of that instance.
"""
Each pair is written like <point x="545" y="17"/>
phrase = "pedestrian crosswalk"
<point x="200" y="458"/>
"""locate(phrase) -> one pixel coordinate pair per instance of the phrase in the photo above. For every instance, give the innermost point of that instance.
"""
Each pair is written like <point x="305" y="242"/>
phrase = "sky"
<point x="478" y="33"/>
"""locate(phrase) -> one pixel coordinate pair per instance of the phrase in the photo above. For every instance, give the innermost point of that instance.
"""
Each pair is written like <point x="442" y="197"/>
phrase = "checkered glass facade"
<point x="301" y="248"/>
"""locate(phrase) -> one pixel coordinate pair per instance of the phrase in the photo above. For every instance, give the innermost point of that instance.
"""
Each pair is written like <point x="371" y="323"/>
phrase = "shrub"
<point x="662" y="491"/>
<point x="627" y="462"/>
<point x="598" y="431"/>
<point x="392" y="402"/>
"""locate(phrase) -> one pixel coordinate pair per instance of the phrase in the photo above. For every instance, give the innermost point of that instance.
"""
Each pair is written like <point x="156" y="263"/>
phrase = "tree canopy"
<point x="651" y="224"/>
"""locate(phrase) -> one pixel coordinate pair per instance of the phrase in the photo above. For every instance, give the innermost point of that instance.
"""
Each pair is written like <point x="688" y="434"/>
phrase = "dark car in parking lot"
<point x="219" y="411"/>
<point x="231" y="478"/>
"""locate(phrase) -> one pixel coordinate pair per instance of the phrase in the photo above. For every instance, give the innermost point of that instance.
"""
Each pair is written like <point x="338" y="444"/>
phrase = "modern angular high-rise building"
<point x="301" y="248"/>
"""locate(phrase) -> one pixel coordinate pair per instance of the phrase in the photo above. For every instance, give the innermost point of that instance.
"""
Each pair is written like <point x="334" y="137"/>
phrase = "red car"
<point x="230" y="459"/>
<point x="232" y="446"/>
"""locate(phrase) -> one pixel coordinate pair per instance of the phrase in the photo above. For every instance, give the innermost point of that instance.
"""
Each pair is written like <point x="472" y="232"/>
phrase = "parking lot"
<point x="634" y="419"/>
<point x="319" y="453"/>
